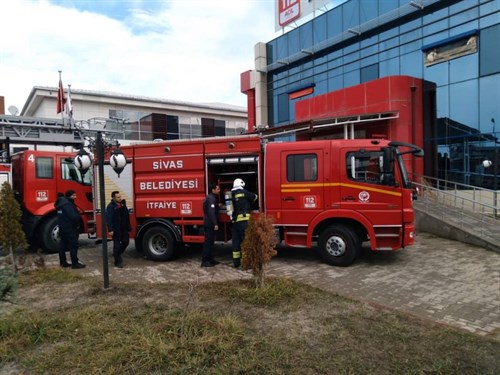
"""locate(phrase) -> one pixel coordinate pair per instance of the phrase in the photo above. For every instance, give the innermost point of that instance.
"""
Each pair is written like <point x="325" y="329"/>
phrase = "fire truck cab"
<point x="37" y="178"/>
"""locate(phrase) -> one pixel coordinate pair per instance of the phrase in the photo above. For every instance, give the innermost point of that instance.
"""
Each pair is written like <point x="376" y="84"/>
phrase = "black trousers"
<point x="208" y="245"/>
<point x="69" y="241"/>
<point x="120" y="243"/>
<point x="237" y="237"/>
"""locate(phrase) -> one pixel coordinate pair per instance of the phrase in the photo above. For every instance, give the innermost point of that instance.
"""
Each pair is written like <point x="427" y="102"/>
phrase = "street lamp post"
<point x="495" y="168"/>
<point x="117" y="162"/>
<point x="494" y="163"/>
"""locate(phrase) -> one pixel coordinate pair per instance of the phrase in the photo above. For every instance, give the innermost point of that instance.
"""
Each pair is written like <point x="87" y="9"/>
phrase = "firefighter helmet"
<point x="238" y="183"/>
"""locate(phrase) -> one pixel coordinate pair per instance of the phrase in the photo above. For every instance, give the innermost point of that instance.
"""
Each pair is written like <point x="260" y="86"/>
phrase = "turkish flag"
<point x="61" y="97"/>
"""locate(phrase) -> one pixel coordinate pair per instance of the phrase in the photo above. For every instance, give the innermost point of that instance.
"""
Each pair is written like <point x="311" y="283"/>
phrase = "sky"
<point x="186" y="50"/>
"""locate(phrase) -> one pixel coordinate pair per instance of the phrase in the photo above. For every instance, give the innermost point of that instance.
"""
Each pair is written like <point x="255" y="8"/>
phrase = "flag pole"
<point x="69" y="107"/>
<point x="60" y="97"/>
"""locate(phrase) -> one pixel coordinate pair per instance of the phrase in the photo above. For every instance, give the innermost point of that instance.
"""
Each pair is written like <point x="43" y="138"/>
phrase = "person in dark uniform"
<point x="210" y="225"/>
<point x="118" y="221"/>
<point x="242" y="200"/>
<point x="68" y="220"/>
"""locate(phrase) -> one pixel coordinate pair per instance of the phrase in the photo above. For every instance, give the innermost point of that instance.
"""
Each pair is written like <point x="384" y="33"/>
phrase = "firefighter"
<point x="242" y="201"/>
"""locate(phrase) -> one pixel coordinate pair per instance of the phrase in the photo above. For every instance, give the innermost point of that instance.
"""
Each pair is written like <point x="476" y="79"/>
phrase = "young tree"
<point x="12" y="236"/>
<point x="258" y="247"/>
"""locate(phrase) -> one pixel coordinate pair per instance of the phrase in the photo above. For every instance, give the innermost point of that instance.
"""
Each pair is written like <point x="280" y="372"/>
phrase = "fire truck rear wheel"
<point x="339" y="245"/>
<point x="50" y="235"/>
<point x="158" y="244"/>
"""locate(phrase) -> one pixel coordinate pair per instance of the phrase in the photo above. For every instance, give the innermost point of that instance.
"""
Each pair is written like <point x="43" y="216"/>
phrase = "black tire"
<point x="158" y="244"/>
<point x="49" y="235"/>
<point x="338" y="245"/>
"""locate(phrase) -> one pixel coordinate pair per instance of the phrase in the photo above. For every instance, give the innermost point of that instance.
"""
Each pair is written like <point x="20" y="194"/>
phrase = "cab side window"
<point x="68" y="171"/>
<point x="365" y="166"/>
<point x="44" y="167"/>
<point x="302" y="167"/>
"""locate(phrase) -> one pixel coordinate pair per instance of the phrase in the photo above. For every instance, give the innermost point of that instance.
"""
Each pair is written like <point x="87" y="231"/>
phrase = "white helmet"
<point x="238" y="183"/>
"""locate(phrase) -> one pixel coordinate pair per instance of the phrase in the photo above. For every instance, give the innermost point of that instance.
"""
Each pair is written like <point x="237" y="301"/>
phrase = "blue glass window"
<point x="463" y="103"/>
<point x="350" y="15"/>
<point x="489" y="51"/>
<point x="319" y="29"/>
<point x="463" y="68"/>
<point x="293" y="42"/>
<point x="442" y="102"/>
<point x="321" y="84"/>
<point x="334" y="22"/>
<point x="412" y="65"/>
<point x="368" y="10"/>
<point x="387" y="5"/>
<point x="437" y="73"/>
<point x="489" y="92"/>
<point x="283" y="113"/>
<point x="306" y="35"/>
<point x="351" y="78"/>
<point x="369" y="73"/>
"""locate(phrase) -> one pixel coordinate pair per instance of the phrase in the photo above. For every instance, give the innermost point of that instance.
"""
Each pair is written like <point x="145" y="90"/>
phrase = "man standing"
<point x="242" y="205"/>
<point x="118" y="221"/>
<point x="68" y="220"/>
<point x="210" y="225"/>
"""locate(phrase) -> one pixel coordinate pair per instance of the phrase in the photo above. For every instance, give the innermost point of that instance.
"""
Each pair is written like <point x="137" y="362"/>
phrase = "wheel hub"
<point x="336" y="246"/>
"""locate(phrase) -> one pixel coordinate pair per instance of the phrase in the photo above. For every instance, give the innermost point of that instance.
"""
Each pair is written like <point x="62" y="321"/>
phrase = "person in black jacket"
<point x="242" y="201"/>
<point x="118" y="221"/>
<point x="68" y="220"/>
<point x="210" y="225"/>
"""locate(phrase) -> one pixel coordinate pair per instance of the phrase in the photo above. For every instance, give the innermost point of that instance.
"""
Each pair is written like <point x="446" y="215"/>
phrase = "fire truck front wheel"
<point x="339" y="245"/>
<point x="158" y="244"/>
<point x="49" y="238"/>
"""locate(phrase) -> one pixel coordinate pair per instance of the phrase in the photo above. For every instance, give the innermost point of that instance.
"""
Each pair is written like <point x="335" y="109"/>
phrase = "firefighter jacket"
<point x="242" y="203"/>
<point x="68" y="217"/>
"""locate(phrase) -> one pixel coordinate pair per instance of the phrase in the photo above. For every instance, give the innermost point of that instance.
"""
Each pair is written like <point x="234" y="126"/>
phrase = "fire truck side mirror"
<point x="387" y="167"/>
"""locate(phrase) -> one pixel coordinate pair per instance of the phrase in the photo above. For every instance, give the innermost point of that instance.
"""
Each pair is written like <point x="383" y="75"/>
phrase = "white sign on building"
<point x="288" y="11"/>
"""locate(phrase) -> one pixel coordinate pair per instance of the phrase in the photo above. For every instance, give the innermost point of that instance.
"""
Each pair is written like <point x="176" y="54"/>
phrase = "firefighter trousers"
<point x="238" y="235"/>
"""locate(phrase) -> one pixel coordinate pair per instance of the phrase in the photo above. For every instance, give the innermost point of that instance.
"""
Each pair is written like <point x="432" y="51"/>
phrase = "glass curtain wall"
<point x="455" y="44"/>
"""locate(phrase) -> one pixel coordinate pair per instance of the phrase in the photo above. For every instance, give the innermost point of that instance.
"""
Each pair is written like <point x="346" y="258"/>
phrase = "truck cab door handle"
<point x="288" y="198"/>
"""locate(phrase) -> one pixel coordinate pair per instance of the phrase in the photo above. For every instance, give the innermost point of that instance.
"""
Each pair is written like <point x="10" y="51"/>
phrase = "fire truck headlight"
<point x="411" y="234"/>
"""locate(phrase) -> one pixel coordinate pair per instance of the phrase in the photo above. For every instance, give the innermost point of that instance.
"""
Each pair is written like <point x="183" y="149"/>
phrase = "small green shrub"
<point x="8" y="283"/>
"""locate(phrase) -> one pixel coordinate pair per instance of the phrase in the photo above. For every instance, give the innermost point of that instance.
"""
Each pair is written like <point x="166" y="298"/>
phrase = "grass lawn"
<point x="61" y="323"/>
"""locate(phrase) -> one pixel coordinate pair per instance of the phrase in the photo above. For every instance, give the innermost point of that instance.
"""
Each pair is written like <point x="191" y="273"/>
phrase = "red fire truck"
<point x="37" y="178"/>
<point x="335" y="194"/>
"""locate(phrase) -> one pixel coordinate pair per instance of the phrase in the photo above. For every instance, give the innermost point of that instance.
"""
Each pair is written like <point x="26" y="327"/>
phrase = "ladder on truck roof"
<point x="22" y="130"/>
<point x="37" y="131"/>
<point x="347" y="122"/>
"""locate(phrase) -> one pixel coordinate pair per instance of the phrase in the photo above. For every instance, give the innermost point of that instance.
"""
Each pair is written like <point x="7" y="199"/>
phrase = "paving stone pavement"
<point x="439" y="279"/>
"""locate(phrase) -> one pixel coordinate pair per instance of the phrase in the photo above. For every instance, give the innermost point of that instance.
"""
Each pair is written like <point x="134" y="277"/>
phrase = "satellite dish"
<point x="13" y="110"/>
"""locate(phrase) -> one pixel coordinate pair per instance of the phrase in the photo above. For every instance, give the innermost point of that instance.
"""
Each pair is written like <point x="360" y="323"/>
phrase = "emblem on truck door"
<point x="364" y="196"/>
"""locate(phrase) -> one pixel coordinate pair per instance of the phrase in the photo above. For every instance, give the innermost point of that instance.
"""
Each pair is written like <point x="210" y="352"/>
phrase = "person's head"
<point x="214" y="188"/>
<point x="238" y="183"/>
<point x="70" y="194"/>
<point x="116" y="196"/>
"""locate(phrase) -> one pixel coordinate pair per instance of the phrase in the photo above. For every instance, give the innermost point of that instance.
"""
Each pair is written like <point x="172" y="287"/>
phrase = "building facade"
<point x="452" y="44"/>
<point x="140" y="118"/>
